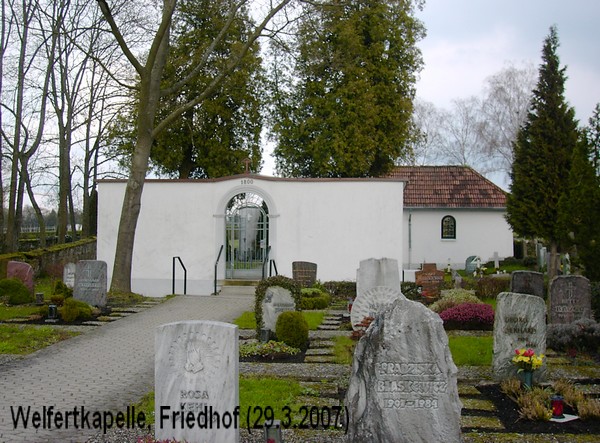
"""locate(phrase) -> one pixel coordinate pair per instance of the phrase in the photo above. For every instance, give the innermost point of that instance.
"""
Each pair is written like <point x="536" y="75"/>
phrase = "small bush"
<point x="57" y="299"/>
<point x="410" y="290"/>
<point x="453" y="297"/>
<point x="60" y="288"/>
<point x="589" y="409"/>
<point x="571" y="395"/>
<point x="490" y="287"/>
<point x="583" y="335"/>
<point x="15" y="291"/>
<point x="292" y="329"/>
<point x="75" y="310"/>
<point x="533" y="405"/>
<point x="469" y="316"/>
<point x="313" y="298"/>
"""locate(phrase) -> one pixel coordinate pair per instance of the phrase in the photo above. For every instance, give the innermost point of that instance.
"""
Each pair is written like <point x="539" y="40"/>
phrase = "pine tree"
<point x="542" y="155"/>
<point x="579" y="211"/>
<point x="349" y="114"/>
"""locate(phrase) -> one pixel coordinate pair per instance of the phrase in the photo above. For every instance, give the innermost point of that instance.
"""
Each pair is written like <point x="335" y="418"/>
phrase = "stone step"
<point x="321" y="344"/>
<point x="319" y="351"/>
<point x="319" y="359"/>
<point x="328" y="327"/>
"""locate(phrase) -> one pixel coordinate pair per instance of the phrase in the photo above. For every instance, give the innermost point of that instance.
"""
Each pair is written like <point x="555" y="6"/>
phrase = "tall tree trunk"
<point x="149" y="97"/>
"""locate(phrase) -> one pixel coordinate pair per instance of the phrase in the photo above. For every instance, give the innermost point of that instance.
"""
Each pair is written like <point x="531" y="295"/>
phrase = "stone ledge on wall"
<point x="51" y="260"/>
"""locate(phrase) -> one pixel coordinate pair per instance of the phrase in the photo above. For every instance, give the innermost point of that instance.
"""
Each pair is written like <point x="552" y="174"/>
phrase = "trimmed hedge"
<point x="72" y="310"/>
<point x="261" y="289"/>
<point x="453" y="297"/>
<point x="582" y="335"/>
<point x="314" y="298"/>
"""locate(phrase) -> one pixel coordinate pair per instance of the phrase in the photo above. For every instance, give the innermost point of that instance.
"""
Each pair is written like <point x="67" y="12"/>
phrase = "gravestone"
<point x="69" y="275"/>
<point x="276" y="301"/>
<point x="305" y="273"/>
<point x="430" y="279"/>
<point x="372" y="303"/>
<point x="90" y="282"/>
<point x="403" y="386"/>
<point x="22" y="271"/>
<point x="196" y="373"/>
<point x="377" y="272"/>
<point x="520" y="322"/>
<point x="570" y="299"/>
<point x="472" y="263"/>
<point x="527" y="282"/>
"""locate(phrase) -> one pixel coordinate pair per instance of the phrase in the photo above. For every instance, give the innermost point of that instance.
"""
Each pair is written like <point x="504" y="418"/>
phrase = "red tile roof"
<point x="448" y="187"/>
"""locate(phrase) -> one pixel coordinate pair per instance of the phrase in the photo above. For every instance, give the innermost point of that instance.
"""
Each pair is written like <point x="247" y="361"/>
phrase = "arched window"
<point x="448" y="228"/>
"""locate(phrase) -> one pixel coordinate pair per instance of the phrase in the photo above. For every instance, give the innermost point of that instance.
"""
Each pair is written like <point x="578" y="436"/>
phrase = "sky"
<point x="470" y="40"/>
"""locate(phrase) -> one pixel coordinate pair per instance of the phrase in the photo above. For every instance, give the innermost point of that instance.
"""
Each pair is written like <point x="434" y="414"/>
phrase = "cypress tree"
<point x="542" y="155"/>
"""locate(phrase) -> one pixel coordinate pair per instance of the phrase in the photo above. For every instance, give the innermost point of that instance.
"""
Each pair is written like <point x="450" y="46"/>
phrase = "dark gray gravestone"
<point x="520" y="322"/>
<point x="403" y="387"/>
<point x="196" y="381"/>
<point x="305" y="273"/>
<point x="570" y="299"/>
<point x="69" y="274"/>
<point x="90" y="282"/>
<point x="527" y="282"/>
<point x="472" y="263"/>
<point x="22" y="271"/>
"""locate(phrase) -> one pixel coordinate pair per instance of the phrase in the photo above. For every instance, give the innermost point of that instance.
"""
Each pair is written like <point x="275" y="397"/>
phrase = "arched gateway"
<point x="246" y="236"/>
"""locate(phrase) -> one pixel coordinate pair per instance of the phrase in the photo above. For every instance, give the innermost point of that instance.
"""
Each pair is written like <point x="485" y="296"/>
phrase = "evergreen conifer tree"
<point x="542" y="155"/>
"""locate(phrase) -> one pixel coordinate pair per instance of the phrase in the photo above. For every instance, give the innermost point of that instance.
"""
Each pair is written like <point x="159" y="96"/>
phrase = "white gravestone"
<point x="371" y="303"/>
<point x="196" y="377"/>
<point x="403" y="387"/>
<point x="276" y="301"/>
<point x="69" y="275"/>
<point x="520" y="322"/>
<point x="377" y="272"/>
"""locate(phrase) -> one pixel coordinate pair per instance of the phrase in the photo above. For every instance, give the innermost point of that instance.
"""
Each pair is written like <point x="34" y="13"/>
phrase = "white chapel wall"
<point x="334" y="223"/>
<point x="478" y="232"/>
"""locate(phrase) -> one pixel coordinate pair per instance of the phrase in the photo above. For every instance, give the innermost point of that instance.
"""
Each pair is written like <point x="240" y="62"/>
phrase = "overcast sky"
<point x="469" y="40"/>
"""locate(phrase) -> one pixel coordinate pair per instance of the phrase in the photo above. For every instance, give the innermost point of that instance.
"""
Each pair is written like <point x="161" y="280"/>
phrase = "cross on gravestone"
<point x="247" y="162"/>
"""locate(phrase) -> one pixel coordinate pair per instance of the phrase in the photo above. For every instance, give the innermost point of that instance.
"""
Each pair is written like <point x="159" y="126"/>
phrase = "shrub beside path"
<point x="104" y="370"/>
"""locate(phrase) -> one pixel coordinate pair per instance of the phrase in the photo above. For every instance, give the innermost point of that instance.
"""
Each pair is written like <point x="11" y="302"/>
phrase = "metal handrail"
<point x="272" y="265"/>
<point x="265" y="261"/>
<point x="184" y="276"/>
<point x="216" y="268"/>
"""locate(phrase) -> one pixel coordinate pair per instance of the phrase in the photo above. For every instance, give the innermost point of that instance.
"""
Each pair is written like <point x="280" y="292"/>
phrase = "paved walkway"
<point x="104" y="370"/>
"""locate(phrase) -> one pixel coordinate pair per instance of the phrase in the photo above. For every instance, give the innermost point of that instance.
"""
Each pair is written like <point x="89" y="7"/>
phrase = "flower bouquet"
<point x="527" y="362"/>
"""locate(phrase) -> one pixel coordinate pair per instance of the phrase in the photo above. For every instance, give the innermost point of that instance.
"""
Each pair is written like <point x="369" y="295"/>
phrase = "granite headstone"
<point x="372" y="303"/>
<point x="472" y="263"/>
<point x="377" y="272"/>
<point x="69" y="275"/>
<point x="430" y="279"/>
<point x="90" y="282"/>
<point x="22" y="271"/>
<point x="305" y="273"/>
<point x="527" y="282"/>
<point x="520" y="322"/>
<point x="276" y="301"/>
<point x="570" y="299"/>
<point x="403" y="386"/>
<point x="196" y="377"/>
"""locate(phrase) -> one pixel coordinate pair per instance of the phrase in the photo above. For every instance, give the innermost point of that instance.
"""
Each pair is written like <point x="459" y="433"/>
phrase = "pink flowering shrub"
<point x="469" y="316"/>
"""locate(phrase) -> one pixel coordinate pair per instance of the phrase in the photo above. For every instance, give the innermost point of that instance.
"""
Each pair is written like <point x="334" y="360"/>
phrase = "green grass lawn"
<point x="343" y="349"/>
<point x="10" y="312"/>
<point x="471" y="351"/>
<point x="313" y="318"/>
<point x="21" y="339"/>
